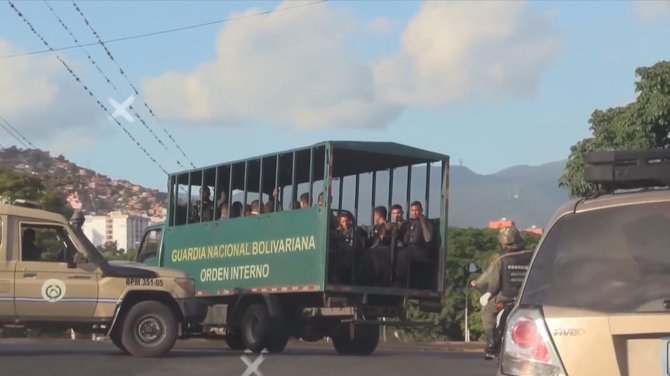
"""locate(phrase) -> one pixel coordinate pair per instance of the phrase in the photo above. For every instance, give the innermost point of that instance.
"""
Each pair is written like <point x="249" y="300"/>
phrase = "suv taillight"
<point x="527" y="347"/>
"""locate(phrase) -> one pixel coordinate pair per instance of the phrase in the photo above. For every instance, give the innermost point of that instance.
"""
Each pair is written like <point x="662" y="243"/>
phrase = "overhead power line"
<point x="13" y="135"/>
<point x="137" y="36"/>
<point x="86" y="88"/>
<point x="106" y="78"/>
<point x="27" y="142"/>
<point x="88" y="54"/>
<point x="123" y="73"/>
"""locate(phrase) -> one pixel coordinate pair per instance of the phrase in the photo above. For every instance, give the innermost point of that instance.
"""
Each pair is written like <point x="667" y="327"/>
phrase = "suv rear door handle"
<point x="30" y="275"/>
<point x="79" y="277"/>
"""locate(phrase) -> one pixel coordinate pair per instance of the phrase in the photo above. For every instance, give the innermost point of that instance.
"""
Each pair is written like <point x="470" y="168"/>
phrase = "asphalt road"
<point x="203" y="358"/>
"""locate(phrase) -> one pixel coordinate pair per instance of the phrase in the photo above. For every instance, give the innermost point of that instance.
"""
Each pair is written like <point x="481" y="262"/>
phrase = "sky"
<point x="492" y="84"/>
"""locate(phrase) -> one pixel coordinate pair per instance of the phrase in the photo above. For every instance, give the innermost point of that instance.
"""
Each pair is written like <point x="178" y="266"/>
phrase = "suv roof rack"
<point x="628" y="169"/>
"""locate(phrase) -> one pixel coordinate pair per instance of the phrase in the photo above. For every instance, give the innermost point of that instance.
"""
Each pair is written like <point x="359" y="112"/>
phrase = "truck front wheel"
<point x="149" y="329"/>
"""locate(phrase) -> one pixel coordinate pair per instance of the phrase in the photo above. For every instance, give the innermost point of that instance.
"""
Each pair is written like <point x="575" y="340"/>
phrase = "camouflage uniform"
<point x="496" y="281"/>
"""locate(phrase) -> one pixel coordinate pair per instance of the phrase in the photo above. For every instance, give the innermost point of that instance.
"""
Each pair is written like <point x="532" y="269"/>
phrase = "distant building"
<point x="503" y="222"/>
<point x="534" y="230"/>
<point x="125" y="229"/>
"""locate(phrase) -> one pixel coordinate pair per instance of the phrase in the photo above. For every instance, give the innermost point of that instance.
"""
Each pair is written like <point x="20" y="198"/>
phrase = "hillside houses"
<point x="82" y="188"/>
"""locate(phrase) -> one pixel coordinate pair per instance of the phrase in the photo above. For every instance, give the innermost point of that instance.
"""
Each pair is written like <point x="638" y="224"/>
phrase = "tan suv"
<point x="596" y="299"/>
<point x="51" y="275"/>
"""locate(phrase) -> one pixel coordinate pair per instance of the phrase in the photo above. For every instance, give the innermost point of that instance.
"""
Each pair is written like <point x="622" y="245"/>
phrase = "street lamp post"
<point x="471" y="269"/>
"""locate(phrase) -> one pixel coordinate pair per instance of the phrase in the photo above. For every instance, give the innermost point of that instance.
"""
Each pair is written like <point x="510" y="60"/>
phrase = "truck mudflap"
<point x="194" y="310"/>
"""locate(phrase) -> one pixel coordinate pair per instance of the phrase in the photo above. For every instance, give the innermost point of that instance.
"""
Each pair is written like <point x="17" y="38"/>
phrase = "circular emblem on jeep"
<point x="53" y="290"/>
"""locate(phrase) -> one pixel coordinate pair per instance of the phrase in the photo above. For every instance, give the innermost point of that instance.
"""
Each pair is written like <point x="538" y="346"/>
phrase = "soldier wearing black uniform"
<point x="503" y="280"/>
<point x="417" y="238"/>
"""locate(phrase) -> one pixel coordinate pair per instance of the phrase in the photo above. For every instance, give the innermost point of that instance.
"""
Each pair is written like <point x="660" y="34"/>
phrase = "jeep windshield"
<point x="91" y="250"/>
<point x="613" y="260"/>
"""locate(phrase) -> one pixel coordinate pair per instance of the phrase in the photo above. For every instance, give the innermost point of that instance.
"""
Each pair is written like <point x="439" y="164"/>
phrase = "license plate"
<point x="665" y="356"/>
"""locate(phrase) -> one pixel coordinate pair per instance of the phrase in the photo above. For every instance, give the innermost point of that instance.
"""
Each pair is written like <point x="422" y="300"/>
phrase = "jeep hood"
<point x="131" y="269"/>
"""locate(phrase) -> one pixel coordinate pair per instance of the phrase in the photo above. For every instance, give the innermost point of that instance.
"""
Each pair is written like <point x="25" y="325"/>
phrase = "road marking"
<point x="252" y="367"/>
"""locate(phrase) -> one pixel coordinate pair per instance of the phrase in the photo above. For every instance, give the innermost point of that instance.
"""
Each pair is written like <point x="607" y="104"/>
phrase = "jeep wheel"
<point x="149" y="329"/>
<point x="116" y="340"/>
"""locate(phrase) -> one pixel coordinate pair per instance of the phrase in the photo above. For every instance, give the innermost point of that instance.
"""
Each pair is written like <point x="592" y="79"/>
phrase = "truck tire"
<point x="149" y="329"/>
<point x="234" y="341"/>
<point x="363" y="342"/>
<point x="259" y="330"/>
<point x="255" y="327"/>
<point x="277" y="337"/>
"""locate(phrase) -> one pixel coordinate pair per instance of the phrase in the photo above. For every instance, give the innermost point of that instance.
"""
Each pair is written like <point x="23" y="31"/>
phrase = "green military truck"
<point x="269" y="260"/>
<point x="52" y="276"/>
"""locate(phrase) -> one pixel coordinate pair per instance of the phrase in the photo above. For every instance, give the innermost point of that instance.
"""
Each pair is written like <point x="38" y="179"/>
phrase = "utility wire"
<point x="136" y="36"/>
<point x="19" y="133"/>
<point x="90" y="93"/>
<point x="109" y="81"/>
<point x="123" y="73"/>
<point x="13" y="135"/>
<point x="88" y="54"/>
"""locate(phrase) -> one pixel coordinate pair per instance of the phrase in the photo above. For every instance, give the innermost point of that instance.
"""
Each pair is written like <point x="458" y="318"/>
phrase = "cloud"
<point x="453" y="51"/>
<point x="291" y="69"/>
<point x="46" y="105"/>
<point x="651" y="10"/>
<point x="379" y="25"/>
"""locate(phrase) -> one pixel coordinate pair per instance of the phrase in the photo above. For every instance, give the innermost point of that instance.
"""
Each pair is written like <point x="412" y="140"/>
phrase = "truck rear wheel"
<point x="363" y="342"/>
<point x="259" y="330"/>
<point x="234" y="341"/>
<point x="149" y="329"/>
<point x="278" y="337"/>
<point x="255" y="327"/>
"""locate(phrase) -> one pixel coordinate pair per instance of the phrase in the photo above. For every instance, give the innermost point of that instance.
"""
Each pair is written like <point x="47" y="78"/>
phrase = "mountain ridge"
<point x="527" y="194"/>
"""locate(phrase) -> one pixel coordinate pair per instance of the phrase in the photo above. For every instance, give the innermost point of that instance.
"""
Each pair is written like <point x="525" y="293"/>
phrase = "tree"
<point x="642" y="124"/>
<point x="15" y="185"/>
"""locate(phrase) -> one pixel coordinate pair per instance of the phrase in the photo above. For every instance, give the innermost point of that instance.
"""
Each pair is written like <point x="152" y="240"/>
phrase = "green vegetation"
<point x="15" y="185"/>
<point x="642" y="124"/>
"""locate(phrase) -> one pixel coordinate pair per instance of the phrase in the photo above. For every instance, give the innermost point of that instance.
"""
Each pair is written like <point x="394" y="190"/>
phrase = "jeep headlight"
<point x="188" y="284"/>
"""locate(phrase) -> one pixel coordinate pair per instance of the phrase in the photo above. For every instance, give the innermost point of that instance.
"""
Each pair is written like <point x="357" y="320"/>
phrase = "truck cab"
<point x="52" y="275"/>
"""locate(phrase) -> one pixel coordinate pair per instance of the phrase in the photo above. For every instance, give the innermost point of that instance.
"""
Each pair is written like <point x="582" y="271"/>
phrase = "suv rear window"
<point x="613" y="260"/>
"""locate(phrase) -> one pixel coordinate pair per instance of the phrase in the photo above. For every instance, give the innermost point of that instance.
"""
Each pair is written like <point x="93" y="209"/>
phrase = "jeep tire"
<point x="116" y="340"/>
<point x="149" y="329"/>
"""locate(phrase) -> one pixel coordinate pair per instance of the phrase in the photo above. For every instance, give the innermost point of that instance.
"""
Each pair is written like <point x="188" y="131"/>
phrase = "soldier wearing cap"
<point x="503" y="279"/>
